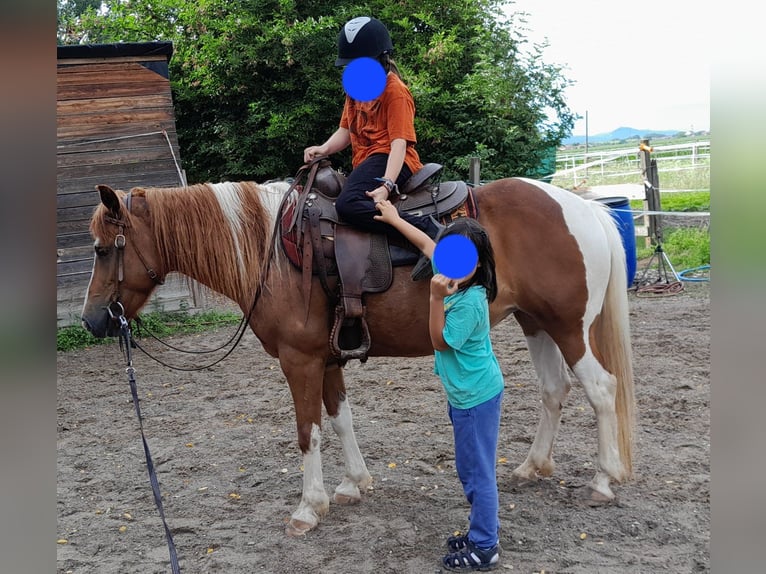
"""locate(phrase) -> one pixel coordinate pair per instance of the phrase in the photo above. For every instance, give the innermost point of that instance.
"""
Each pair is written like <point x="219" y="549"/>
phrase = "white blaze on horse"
<point x="560" y="271"/>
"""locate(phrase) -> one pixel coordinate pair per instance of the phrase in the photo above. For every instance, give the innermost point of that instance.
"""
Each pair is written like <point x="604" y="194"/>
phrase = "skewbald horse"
<point x="560" y="271"/>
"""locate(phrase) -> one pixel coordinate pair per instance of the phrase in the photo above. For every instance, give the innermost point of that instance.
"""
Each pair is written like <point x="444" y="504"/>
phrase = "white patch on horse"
<point x="271" y="196"/>
<point x="357" y="475"/>
<point x="314" y="502"/>
<point x="90" y="282"/>
<point x="228" y="198"/>
<point x="582" y="223"/>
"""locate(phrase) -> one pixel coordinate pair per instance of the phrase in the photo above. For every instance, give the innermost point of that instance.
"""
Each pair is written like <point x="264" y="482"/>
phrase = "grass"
<point x="686" y="247"/>
<point x="681" y="201"/>
<point x="161" y="323"/>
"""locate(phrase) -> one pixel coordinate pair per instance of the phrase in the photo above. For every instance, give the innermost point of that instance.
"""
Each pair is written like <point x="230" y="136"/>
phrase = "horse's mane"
<point x="219" y="234"/>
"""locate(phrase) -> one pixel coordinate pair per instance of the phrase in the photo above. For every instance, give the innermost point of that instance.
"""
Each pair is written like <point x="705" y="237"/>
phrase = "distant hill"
<point x="622" y="133"/>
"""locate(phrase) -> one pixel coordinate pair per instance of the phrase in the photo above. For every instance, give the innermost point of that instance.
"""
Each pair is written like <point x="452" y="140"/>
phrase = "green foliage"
<point x="160" y="323"/>
<point x="679" y="201"/>
<point x="75" y="337"/>
<point x="686" y="201"/>
<point x="164" y="323"/>
<point x="686" y="247"/>
<point x="68" y="13"/>
<point x="254" y="81"/>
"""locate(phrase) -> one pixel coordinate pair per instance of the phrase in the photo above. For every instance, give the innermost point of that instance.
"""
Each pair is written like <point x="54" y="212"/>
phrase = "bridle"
<point x="115" y="307"/>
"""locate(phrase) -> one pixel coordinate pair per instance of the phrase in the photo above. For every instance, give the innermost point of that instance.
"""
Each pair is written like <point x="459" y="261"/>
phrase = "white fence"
<point x="622" y="165"/>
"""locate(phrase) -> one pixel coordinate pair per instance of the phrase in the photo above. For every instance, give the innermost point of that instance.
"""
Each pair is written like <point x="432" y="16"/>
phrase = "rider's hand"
<point x="313" y="152"/>
<point x="378" y="194"/>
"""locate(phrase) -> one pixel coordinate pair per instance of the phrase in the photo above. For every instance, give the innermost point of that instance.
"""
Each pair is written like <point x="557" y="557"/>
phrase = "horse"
<point x="560" y="267"/>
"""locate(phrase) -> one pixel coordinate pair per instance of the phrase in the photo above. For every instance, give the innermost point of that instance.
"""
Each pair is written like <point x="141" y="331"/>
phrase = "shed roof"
<point x="121" y="49"/>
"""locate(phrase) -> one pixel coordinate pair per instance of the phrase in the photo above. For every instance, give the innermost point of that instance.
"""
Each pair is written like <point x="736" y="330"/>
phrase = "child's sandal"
<point x="472" y="558"/>
<point x="457" y="543"/>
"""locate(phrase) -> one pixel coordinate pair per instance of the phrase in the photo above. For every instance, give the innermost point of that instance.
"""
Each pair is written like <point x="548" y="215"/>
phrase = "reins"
<point x="116" y="312"/>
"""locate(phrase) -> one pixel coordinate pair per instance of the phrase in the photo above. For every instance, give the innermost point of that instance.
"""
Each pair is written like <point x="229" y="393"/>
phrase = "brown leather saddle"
<point x="348" y="261"/>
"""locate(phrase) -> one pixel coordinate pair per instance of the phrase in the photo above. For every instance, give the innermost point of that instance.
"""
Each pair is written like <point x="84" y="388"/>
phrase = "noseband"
<point x="115" y="307"/>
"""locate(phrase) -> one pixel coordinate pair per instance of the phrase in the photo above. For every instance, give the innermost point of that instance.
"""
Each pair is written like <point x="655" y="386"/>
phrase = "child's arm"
<point x="418" y="238"/>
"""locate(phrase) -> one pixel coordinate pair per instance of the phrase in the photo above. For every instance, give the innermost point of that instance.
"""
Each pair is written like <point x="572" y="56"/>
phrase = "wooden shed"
<point x="115" y="126"/>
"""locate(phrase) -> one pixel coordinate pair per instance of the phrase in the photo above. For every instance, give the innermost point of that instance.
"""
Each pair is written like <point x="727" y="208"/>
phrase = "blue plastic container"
<point x="619" y="207"/>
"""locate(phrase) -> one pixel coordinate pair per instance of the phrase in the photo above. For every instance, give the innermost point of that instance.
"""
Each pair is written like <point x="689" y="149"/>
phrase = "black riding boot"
<point x="423" y="268"/>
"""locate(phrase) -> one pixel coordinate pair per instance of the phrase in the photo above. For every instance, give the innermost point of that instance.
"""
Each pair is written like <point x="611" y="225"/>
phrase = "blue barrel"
<point x="619" y="207"/>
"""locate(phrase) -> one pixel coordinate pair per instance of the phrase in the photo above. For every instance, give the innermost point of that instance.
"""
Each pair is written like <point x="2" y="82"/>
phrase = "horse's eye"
<point x="101" y="251"/>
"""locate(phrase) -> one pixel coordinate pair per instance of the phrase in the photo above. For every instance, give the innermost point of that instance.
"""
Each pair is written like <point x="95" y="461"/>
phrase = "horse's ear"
<point x="109" y="198"/>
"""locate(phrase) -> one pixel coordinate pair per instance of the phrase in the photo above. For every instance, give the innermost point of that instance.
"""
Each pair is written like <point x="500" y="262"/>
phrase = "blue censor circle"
<point x="455" y="256"/>
<point x="364" y="79"/>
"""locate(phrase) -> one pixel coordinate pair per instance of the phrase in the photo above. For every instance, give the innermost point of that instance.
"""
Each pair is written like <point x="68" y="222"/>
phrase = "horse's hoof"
<point x="345" y="499"/>
<point x="521" y="482"/>
<point x="595" y="498"/>
<point x="297" y="528"/>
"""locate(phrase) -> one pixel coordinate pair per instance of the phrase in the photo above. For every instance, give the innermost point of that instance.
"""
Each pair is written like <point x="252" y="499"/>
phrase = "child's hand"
<point x="442" y="286"/>
<point x="388" y="213"/>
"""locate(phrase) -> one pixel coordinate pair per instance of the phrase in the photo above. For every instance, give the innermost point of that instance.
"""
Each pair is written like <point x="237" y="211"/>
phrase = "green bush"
<point x="75" y="337"/>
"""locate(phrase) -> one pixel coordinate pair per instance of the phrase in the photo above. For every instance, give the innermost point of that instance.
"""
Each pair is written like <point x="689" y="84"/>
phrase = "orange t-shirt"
<point x="375" y="124"/>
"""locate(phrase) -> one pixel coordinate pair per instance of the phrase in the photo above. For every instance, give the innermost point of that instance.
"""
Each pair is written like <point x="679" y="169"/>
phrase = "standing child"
<point x="459" y="327"/>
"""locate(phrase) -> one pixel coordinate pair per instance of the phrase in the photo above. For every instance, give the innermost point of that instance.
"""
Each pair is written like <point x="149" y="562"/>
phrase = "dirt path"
<point x="224" y="444"/>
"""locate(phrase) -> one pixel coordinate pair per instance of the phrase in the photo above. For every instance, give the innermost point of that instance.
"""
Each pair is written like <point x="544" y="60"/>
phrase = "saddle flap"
<point x="364" y="262"/>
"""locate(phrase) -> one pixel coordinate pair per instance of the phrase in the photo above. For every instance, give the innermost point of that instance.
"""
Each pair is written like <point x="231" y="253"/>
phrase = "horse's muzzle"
<point x="102" y="327"/>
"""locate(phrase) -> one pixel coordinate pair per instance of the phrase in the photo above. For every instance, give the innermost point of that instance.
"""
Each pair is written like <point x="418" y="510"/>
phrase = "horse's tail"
<point x="613" y="338"/>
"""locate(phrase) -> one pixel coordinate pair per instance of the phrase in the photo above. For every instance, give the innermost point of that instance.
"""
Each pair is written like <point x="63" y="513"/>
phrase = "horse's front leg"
<point x="304" y="374"/>
<point x="356" y="476"/>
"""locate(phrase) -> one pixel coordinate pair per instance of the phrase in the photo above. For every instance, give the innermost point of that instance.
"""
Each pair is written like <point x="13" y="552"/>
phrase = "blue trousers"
<point x="358" y="209"/>
<point x="476" y="432"/>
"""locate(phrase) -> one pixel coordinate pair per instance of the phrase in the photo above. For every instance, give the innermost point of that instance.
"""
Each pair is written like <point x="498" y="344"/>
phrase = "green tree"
<point x="254" y="81"/>
<point x="68" y="13"/>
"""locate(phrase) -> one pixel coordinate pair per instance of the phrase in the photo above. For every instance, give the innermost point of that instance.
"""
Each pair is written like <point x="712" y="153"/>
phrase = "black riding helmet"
<point x="363" y="37"/>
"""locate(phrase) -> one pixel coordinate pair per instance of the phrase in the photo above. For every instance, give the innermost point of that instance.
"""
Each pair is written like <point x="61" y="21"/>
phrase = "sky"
<point x="644" y="65"/>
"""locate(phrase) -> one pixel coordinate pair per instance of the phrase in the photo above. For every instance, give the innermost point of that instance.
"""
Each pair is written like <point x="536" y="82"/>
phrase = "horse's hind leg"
<point x="600" y="388"/>
<point x="356" y="476"/>
<point x="554" y="387"/>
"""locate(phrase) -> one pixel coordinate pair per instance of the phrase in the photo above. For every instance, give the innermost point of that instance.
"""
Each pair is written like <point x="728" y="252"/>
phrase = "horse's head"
<point x="126" y="265"/>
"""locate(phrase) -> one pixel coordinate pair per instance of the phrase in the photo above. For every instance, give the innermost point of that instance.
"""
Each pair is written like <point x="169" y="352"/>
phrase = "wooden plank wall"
<point x="111" y="113"/>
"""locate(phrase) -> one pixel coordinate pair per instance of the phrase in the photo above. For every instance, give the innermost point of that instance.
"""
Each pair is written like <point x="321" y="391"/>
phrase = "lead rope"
<point x="116" y="312"/>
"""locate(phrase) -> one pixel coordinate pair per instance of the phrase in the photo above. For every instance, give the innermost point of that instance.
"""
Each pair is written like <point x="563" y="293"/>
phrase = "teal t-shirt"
<point x="469" y="369"/>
